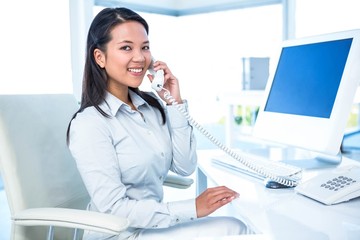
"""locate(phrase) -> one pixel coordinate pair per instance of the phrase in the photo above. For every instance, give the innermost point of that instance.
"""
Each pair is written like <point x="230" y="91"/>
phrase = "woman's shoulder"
<point x="89" y="116"/>
<point x="89" y="112"/>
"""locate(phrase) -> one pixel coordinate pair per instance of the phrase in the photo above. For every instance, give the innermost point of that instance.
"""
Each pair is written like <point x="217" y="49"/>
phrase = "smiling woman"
<point x="125" y="141"/>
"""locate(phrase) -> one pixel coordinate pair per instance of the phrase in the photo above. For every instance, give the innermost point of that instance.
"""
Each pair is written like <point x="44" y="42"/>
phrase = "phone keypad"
<point x="338" y="183"/>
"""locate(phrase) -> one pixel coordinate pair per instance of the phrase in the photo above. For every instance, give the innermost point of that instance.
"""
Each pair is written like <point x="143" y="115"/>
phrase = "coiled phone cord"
<point x="290" y="181"/>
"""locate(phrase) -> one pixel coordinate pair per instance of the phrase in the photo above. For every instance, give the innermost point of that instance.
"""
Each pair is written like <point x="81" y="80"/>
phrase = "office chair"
<point x="46" y="195"/>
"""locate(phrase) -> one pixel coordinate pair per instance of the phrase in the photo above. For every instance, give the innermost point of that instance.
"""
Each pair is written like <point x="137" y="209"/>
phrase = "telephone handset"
<point x="333" y="187"/>
<point x="285" y="181"/>
<point x="158" y="80"/>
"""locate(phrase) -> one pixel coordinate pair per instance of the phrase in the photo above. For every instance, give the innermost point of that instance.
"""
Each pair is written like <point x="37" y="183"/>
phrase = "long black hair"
<point x="95" y="78"/>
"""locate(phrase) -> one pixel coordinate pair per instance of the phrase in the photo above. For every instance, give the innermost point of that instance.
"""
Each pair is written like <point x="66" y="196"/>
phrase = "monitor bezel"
<point x="323" y="135"/>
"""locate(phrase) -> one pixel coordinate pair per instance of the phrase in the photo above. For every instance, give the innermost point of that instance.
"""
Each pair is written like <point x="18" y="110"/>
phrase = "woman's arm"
<point x="183" y="142"/>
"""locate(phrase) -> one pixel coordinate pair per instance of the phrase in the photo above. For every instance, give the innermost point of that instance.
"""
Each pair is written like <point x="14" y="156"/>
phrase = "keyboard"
<point x="276" y="168"/>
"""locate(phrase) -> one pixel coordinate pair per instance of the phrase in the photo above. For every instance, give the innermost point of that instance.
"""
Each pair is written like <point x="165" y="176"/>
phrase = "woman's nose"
<point x="138" y="56"/>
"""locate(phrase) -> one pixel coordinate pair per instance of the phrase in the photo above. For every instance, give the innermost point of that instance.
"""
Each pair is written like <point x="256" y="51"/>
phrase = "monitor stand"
<point x="318" y="162"/>
<point x="298" y="157"/>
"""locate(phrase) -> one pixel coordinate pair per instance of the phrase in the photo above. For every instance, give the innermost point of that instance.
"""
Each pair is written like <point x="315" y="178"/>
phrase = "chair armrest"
<point x="177" y="181"/>
<point x="72" y="218"/>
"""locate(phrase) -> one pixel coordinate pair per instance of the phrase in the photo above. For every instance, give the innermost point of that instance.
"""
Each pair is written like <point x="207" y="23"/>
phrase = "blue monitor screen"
<point x="307" y="78"/>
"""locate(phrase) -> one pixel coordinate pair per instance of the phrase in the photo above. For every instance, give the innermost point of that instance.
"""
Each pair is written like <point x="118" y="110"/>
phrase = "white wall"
<point x="325" y="16"/>
<point x="35" y="47"/>
<point x="204" y="51"/>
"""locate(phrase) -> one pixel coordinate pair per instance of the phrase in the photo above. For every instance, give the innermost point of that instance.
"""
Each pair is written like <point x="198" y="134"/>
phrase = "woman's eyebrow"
<point x="128" y="41"/>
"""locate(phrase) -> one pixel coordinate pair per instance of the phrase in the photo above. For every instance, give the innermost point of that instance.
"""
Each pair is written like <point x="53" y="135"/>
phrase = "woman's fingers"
<point x="214" y="198"/>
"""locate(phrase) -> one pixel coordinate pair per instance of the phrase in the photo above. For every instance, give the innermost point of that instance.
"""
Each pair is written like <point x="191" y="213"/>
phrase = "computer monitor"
<point x="310" y="92"/>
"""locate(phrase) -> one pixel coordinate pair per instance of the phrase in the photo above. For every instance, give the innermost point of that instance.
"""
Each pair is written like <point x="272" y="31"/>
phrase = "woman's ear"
<point x="99" y="57"/>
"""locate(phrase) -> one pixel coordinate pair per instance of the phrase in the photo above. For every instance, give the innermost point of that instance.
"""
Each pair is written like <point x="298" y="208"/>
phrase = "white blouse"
<point x="124" y="160"/>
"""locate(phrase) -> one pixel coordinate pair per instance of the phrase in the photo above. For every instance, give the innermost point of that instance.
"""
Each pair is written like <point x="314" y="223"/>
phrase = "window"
<point x="35" y="47"/>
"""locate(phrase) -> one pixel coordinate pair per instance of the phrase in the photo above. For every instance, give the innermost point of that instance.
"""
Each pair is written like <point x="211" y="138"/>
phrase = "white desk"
<point x="282" y="213"/>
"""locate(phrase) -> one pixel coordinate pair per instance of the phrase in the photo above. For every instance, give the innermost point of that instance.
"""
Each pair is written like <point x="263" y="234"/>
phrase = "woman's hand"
<point x="171" y="83"/>
<point x="212" y="199"/>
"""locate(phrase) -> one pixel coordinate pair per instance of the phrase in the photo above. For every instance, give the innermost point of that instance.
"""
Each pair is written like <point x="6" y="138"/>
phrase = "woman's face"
<point x="127" y="57"/>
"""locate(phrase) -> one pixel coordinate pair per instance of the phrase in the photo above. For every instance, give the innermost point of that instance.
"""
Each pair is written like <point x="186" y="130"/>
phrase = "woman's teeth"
<point x="135" y="70"/>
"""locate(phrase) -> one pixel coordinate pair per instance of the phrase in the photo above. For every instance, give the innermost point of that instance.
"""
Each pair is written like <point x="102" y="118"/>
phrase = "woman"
<point x="125" y="141"/>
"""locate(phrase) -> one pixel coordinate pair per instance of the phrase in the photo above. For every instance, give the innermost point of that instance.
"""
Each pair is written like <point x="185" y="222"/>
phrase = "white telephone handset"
<point x="290" y="180"/>
<point x="158" y="81"/>
<point x="333" y="187"/>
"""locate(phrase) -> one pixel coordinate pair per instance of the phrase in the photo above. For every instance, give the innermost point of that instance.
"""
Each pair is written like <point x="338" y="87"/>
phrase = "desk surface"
<point x="283" y="214"/>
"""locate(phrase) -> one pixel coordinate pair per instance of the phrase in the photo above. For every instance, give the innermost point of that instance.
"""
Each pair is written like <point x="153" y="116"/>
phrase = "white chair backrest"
<point x="36" y="165"/>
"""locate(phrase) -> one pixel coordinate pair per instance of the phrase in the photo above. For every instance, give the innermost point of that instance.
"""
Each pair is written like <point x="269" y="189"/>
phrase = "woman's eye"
<point x="146" y="48"/>
<point x="126" y="48"/>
